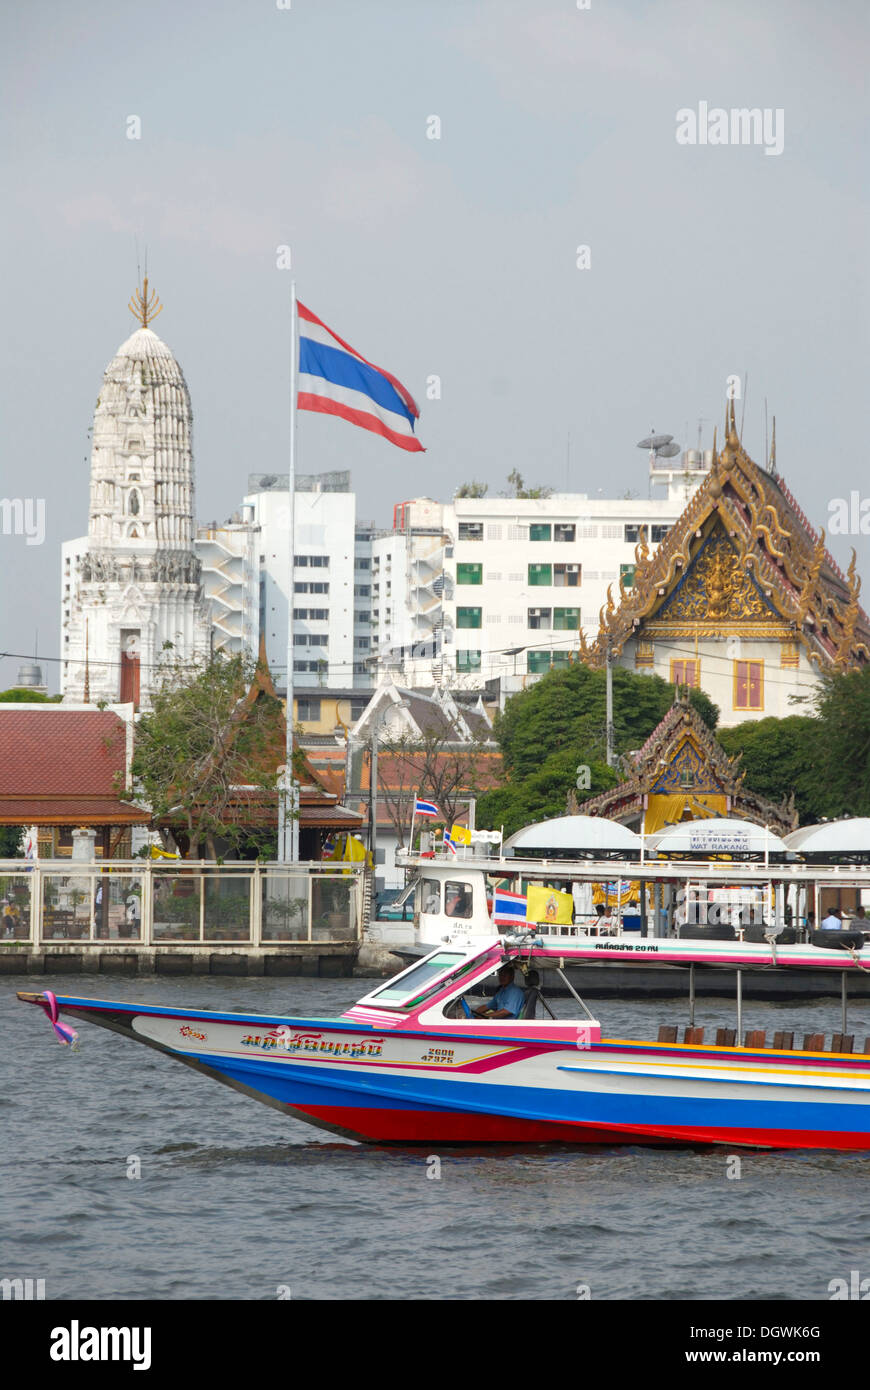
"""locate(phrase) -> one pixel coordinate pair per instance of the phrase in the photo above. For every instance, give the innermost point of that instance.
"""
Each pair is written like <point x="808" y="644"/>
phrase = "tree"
<point x="515" y="478"/>
<point x="567" y="709"/>
<point x="433" y="766"/>
<point x="780" y="756"/>
<point x="10" y="842"/>
<point x="472" y="489"/>
<point x="18" y="696"/>
<point x="558" y="725"/>
<point x="205" y="737"/>
<point x="542" y="794"/>
<point x="843" y="746"/>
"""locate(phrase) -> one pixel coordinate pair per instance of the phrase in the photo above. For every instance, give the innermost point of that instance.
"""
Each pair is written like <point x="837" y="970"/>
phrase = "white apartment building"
<point x="496" y="588"/>
<point x="332" y="643"/>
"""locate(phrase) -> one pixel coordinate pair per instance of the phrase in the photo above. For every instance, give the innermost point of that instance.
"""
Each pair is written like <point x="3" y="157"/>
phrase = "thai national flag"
<point x="508" y="909"/>
<point x="335" y="379"/>
<point x="426" y="808"/>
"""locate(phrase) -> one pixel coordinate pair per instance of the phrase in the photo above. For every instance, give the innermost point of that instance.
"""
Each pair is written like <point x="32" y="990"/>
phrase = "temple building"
<point x="683" y="773"/>
<point x="741" y="598"/>
<point x="132" y="589"/>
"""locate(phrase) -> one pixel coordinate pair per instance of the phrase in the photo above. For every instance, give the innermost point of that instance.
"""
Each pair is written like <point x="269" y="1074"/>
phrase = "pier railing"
<point x="183" y="903"/>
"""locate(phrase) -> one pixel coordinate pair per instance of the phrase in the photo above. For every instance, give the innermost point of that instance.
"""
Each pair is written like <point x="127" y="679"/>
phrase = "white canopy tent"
<point x="836" y="839"/>
<point x="717" y="835"/>
<point x="574" y="837"/>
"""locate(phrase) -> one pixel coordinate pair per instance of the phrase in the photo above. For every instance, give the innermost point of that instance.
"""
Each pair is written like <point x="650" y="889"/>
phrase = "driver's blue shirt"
<point x="509" y="997"/>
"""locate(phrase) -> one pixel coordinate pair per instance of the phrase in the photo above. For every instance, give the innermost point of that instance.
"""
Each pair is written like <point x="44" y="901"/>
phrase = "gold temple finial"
<point x="731" y="435"/>
<point x="144" y="306"/>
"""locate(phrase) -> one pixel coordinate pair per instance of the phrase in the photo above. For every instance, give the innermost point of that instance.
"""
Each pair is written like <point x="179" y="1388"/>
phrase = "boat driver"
<point x="507" y="1002"/>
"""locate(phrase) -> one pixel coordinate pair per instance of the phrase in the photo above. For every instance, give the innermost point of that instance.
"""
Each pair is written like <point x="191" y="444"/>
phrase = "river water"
<point x="236" y="1202"/>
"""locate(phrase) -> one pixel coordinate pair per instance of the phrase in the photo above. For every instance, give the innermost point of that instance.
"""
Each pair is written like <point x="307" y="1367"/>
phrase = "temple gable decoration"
<point x="682" y="772"/>
<point x="743" y="559"/>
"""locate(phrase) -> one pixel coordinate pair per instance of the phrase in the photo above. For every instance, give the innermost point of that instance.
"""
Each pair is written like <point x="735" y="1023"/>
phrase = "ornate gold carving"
<point x="717" y="589"/>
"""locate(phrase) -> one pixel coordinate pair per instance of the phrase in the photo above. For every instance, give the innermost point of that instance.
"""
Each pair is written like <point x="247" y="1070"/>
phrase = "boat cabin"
<point x="453" y="988"/>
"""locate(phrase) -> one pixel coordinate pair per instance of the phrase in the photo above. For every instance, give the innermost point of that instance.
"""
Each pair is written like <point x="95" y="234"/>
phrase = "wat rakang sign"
<point x="135" y="591"/>
<point x="741" y="598"/>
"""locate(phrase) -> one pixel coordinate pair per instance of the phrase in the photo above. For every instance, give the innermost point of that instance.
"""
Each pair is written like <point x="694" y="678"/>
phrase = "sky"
<point x="264" y="126"/>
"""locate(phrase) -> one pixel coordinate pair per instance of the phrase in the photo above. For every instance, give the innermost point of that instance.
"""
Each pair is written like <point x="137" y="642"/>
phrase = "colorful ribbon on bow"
<point x="65" y="1034"/>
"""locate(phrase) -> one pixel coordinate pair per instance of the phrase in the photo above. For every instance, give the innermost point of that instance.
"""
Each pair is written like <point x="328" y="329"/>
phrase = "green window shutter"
<point x="566" y="619"/>
<point x="469" y="617"/>
<point x="626" y="573"/>
<point x="469" y="574"/>
<point x="538" y="662"/>
<point x="540" y="531"/>
<point x="541" y="575"/>
<point x="561" y="659"/>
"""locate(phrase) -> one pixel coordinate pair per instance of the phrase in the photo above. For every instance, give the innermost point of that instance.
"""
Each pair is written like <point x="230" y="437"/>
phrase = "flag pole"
<point x="288" y="801"/>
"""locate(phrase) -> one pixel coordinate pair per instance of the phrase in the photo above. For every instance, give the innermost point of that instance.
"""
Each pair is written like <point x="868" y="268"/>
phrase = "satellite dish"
<point x="655" y="441"/>
<point x="667" y="451"/>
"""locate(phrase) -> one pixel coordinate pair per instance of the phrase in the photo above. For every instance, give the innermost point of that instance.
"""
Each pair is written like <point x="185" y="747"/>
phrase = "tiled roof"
<point x="58" y="752"/>
<point x="69" y="810"/>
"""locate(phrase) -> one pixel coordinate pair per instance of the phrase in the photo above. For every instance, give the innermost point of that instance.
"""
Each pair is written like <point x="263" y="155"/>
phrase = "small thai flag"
<point x="508" y="909"/>
<point x="426" y="808"/>
<point x="448" y="842"/>
<point x="335" y="379"/>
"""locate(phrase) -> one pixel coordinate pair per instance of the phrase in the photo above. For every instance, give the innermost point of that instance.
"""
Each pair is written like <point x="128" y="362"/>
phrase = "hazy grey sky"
<point x="307" y="126"/>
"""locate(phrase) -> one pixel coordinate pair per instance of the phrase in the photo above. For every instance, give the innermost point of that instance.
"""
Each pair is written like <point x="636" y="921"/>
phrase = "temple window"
<point x="685" y="672"/>
<point x="644" y="654"/>
<point x="749" y="685"/>
<point x="133" y="503"/>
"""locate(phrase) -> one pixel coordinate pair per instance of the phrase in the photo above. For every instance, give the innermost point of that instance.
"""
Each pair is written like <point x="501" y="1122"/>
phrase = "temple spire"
<point x="771" y="466"/>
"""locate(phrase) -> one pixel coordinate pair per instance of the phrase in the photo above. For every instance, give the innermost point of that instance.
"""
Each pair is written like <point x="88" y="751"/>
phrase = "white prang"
<point x="136" y="580"/>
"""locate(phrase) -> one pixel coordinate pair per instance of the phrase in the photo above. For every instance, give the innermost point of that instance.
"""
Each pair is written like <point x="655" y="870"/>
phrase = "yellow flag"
<point x="460" y="835"/>
<point x="548" y="905"/>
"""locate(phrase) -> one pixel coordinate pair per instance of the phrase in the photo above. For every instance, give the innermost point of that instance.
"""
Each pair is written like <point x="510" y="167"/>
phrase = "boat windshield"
<point x="408" y="985"/>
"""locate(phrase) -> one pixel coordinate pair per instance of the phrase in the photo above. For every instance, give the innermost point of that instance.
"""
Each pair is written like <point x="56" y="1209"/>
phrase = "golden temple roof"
<point x="763" y="562"/>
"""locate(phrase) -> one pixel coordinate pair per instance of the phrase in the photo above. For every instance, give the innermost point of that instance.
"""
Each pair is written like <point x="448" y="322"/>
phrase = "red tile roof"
<point x="59" y="766"/>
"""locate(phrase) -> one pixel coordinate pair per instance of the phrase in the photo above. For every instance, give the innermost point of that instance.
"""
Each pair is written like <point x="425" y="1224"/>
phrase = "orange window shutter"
<point x="754" y="684"/>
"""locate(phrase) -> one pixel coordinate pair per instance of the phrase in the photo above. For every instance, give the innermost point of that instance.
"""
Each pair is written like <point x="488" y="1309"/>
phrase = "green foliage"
<point x="28" y="697"/>
<point x="566" y="709"/>
<point x="199" y="743"/>
<point x="10" y="842"/>
<point x="558" y="724"/>
<point x="843" y="706"/>
<point x="542" y="794"/>
<point x="519" y="489"/>
<point x="780" y="756"/>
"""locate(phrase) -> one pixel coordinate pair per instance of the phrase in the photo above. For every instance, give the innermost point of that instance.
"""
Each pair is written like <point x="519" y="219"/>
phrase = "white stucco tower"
<point x="135" y="587"/>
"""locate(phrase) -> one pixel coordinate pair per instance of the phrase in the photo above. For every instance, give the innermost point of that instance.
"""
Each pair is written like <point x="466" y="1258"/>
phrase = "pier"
<point x="137" y="917"/>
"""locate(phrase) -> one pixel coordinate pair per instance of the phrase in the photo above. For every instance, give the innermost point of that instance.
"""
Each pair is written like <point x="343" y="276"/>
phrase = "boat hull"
<point x="445" y="1086"/>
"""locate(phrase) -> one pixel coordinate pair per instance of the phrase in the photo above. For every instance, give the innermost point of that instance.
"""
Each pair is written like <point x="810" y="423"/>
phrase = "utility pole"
<point x="609" y="670"/>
